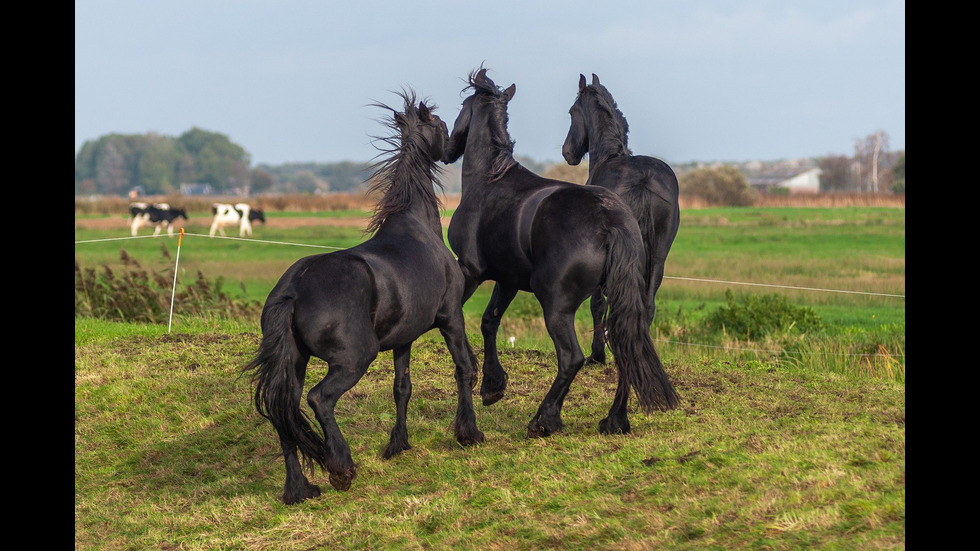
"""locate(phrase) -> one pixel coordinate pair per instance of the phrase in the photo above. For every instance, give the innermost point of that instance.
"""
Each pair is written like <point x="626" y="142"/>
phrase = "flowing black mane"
<point x="408" y="176"/>
<point x="502" y="149"/>
<point x="612" y="129"/>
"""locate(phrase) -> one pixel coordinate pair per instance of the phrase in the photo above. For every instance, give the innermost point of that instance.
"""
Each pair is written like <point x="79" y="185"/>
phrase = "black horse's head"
<point x="577" y="141"/>
<point x="418" y="131"/>
<point x="409" y="173"/>
<point x="486" y="110"/>
<point x="594" y="114"/>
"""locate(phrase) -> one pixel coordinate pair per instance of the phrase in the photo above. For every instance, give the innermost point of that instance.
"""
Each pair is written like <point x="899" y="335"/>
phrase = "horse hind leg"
<point x="561" y="326"/>
<point x="277" y="398"/>
<point x="398" y="442"/>
<point x="597" y="305"/>
<point x="617" y="422"/>
<point x="464" y="425"/>
<point x="494" y="376"/>
<point x="343" y="373"/>
<point x="297" y="488"/>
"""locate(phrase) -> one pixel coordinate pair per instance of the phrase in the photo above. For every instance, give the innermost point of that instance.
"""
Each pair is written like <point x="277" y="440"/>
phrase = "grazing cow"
<point x="160" y="215"/>
<point x="241" y="215"/>
<point x="137" y="208"/>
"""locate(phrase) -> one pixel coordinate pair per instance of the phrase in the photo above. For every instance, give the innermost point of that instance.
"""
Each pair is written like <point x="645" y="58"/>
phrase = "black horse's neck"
<point x="489" y="150"/>
<point x="409" y="193"/>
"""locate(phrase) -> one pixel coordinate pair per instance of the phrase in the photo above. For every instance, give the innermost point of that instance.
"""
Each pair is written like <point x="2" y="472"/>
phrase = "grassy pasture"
<point x="845" y="252"/>
<point x="764" y="452"/>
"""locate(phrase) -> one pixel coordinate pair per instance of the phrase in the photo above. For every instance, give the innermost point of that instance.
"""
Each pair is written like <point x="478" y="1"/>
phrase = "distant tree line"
<point x="117" y="164"/>
<point x="873" y="168"/>
<point x="344" y="176"/>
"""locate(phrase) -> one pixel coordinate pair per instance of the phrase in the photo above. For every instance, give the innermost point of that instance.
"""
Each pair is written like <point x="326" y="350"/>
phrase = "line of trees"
<point x="873" y="168"/>
<point x="116" y="164"/>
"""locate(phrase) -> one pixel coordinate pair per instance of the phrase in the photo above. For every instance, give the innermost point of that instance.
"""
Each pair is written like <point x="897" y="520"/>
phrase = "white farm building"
<point x="798" y="180"/>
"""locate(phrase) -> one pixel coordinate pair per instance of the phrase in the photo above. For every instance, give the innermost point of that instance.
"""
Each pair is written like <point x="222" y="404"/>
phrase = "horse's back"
<point x="649" y="188"/>
<point x="531" y="227"/>
<point x="415" y="279"/>
<point x="637" y="178"/>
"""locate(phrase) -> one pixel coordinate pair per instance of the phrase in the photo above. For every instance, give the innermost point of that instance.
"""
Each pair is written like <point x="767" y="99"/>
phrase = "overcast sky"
<point x="292" y="80"/>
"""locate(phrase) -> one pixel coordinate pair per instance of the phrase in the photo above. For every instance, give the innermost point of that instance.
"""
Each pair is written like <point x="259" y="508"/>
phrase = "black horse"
<point x="559" y="241"/>
<point x="648" y="185"/>
<point x="346" y="306"/>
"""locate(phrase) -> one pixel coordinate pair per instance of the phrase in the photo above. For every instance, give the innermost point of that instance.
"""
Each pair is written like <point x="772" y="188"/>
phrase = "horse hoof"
<point x="391" y="450"/>
<point x="471" y="439"/>
<point x="537" y="431"/>
<point x="608" y="426"/>
<point x="492" y="398"/>
<point x="341" y="481"/>
<point x="308" y="491"/>
<point x="595" y="360"/>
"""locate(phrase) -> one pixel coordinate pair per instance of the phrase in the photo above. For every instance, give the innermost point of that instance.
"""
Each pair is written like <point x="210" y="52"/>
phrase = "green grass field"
<point x="792" y="440"/>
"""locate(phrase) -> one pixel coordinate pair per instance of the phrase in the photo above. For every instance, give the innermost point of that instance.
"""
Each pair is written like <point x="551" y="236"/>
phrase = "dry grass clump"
<point x="138" y="294"/>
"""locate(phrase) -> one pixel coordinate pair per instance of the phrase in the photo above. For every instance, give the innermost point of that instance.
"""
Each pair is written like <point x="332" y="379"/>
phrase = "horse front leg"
<point x="402" y="391"/>
<point x="494" y="376"/>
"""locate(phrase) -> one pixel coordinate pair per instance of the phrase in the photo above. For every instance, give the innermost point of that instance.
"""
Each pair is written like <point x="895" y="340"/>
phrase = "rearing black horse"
<point x="346" y="306"/>
<point x="648" y="185"/>
<point x="559" y="241"/>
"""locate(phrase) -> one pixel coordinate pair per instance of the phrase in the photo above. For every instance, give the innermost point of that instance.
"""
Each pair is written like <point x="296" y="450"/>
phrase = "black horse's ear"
<point x="595" y="80"/>
<point x="424" y="112"/>
<point x="399" y="119"/>
<point x="510" y="91"/>
<point x="581" y="82"/>
<point x="482" y="75"/>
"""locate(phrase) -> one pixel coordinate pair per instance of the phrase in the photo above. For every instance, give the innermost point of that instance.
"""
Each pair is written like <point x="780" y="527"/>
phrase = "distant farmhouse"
<point x="798" y="179"/>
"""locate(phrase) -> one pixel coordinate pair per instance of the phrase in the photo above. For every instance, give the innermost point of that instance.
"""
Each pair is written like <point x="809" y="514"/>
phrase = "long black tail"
<point x="278" y="388"/>
<point x="641" y="202"/>
<point x="629" y="335"/>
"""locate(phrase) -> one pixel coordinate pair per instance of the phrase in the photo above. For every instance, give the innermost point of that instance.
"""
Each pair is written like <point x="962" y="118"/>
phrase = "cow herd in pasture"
<point x="606" y="241"/>
<point x="162" y="216"/>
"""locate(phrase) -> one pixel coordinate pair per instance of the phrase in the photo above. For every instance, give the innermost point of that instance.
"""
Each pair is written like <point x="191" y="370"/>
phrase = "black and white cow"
<point x="240" y="214"/>
<point x="160" y="215"/>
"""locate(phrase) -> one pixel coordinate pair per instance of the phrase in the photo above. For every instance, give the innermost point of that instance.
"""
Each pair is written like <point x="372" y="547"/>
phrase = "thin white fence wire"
<point x="250" y="240"/>
<point x="784" y="286"/>
<point x="703" y="280"/>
